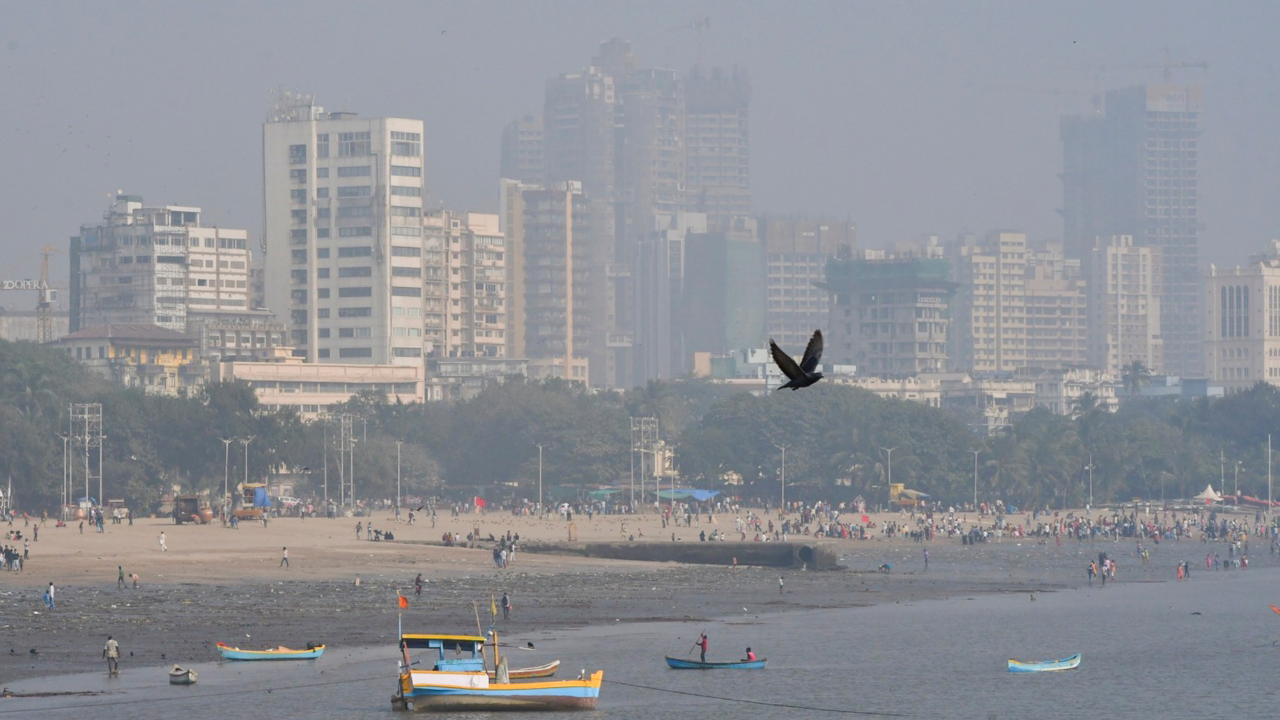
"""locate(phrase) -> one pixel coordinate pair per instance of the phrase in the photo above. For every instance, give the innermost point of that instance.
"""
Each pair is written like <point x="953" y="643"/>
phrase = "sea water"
<point x="1205" y="648"/>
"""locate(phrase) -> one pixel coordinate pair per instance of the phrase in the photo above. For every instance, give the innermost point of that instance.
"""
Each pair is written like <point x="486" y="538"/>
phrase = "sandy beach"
<point x="220" y="584"/>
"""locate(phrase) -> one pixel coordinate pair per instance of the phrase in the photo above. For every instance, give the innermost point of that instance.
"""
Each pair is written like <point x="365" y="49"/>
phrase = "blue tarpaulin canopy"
<point x="688" y="493"/>
<point x="260" y="498"/>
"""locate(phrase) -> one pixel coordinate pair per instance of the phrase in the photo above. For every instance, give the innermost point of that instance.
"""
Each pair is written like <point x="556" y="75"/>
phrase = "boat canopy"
<point x="462" y="643"/>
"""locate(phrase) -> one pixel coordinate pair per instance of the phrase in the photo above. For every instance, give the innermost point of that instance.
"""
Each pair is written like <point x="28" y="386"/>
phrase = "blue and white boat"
<point x="458" y="680"/>
<point x="280" y="653"/>
<point x="681" y="664"/>
<point x="1067" y="663"/>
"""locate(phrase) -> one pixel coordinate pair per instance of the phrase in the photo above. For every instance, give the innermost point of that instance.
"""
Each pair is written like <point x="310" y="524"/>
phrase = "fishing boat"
<point x="682" y="664"/>
<point x="182" y="676"/>
<point x="458" y="680"/>
<point x="537" y="671"/>
<point x="278" y="653"/>
<point x="1067" y="663"/>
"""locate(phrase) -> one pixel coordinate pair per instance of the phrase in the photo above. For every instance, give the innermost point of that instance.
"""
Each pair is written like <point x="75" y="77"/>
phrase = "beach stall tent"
<point x="1208" y="496"/>
<point x="687" y="494"/>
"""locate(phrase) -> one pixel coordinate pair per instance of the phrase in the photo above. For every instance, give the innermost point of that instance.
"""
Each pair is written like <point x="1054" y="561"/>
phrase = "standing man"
<point x="119" y="579"/>
<point x="506" y="606"/>
<point x="48" y="596"/>
<point x="112" y="653"/>
<point x="702" y="644"/>
<point x="284" y="558"/>
<point x="163" y="547"/>
<point x="926" y="559"/>
<point x="779" y="583"/>
<point x="417" y="586"/>
<point x="359" y="528"/>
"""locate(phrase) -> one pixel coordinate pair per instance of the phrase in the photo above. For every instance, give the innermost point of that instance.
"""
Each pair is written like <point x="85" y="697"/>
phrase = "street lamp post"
<point x="1090" y="482"/>
<point x="66" y="476"/>
<point x="889" y="483"/>
<point x="1237" y="482"/>
<point x="245" y="442"/>
<point x="539" y="480"/>
<point x="226" y="475"/>
<point x="399" y="496"/>
<point x="975" y="479"/>
<point x="783" y="448"/>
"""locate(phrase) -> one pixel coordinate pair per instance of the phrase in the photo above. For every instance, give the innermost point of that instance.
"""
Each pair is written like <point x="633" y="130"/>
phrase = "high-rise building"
<point x="344" y="232"/>
<point x="723" y="299"/>
<point x="1242" y="322"/>
<point x="1124" y="306"/>
<point x="156" y="266"/>
<point x="1057" y="310"/>
<point x="1134" y="171"/>
<point x="889" y="315"/>
<point x="472" y="309"/>
<point x="796" y="254"/>
<point x="718" y="145"/>
<point x="659" y="283"/>
<point x="524" y="156"/>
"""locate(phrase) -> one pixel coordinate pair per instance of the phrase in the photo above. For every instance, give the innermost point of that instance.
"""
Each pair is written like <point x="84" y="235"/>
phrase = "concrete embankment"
<point x="771" y="554"/>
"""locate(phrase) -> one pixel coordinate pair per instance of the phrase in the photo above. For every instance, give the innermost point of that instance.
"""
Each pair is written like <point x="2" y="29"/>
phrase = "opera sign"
<point x="23" y="285"/>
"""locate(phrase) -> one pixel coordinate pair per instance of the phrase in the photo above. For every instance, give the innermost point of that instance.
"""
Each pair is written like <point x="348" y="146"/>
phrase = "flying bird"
<point x="802" y="375"/>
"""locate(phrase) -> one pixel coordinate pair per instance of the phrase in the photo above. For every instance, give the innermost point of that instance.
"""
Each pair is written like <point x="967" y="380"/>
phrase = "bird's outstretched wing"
<point x="784" y="361"/>
<point x="812" y="353"/>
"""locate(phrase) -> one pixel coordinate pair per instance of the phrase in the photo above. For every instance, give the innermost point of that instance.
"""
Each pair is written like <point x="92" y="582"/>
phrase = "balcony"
<point x="618" y="340"/>
<point x="617" y="270"/>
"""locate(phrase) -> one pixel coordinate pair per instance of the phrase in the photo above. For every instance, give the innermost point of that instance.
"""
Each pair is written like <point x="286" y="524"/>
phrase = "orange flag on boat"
<point x="403" y="601"/>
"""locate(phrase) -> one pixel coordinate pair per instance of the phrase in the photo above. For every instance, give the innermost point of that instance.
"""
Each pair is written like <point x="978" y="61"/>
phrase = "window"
<point x="322" y="146"/>
<point x="323" y="352"/>
<point x="412" y="272"/>
<point x="406" y="352"/>
<point x="406" y="291"/>
<point x="298" y="216"/>
<point x="323" y="333"/>
<point x="406" y="191"/>
<point x="406" y="143"/>
<point x="299" y="317"/>
<point x="346" y="332"/>
<point x="398" y="211"/>
<point x="357" y="211"/>
<point x="322" y="313"/>
<point x="299" y="195"/>
<point x="355" y="292"/>
<point x="322" y="213"/>
<point x="353" y="144"/>
<point x="298" y="256"/>
<point x="406" y="170"/>
<point x="401" y="251"/>
<point x="362" y="231"/>
<point x="322" y="293"/>
<point x="298" y="236"/>
<point x="356" y="251"/>
<point x="354" y="171"/>
<point x="406" y="231"/>
<point x="354" y="312"/>
<point x="298" y="176"/>
<point x="322" y="253"/>
<point x="322" y="273"/>
<point x="355" y="352"/>
<point x="298" y="275"/>
<point x="297" y="154"/>
<point x="350" y="272"/>
<point x="322" y="173"/>
<point x="322" y="193"/>
<point x="355" y="191"/>
<point x="322" y="233"/>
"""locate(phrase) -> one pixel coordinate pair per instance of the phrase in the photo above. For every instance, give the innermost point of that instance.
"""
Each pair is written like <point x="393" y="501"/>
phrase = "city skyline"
<point x="899" y="104"/>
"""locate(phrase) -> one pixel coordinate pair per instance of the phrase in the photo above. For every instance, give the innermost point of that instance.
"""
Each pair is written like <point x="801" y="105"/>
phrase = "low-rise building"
<point x="155" y="359"/>
<point x="314" y="389"/>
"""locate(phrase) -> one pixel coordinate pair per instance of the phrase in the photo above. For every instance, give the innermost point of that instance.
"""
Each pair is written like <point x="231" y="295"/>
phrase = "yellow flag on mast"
<point x="493" y="606"/>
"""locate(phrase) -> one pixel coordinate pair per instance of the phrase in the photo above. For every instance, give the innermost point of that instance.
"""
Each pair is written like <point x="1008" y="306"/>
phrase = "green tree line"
<point x="837" y="441"/>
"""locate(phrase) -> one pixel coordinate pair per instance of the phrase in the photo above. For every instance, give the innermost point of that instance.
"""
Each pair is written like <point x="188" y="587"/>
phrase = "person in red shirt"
<point x="751" y="657"/>
<point x="702" y="643"/>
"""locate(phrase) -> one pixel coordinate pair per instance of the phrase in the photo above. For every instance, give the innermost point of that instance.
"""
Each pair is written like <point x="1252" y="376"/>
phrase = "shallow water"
<point x="1145" y="654"/>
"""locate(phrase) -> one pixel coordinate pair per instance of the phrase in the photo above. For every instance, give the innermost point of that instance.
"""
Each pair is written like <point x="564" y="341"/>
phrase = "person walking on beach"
<point x="112" y="653"/>
<point x="49" y="596"/>
<point x="780" y="584"/>
<point x="702" y="644"/>
<point x="120" y="578"/>
<point x="359" y="527"/>
<point x="506" y="606"/>
<point x="284" y="558"/>
<point x="1092" y="570"/>
<point x="417" y="586"/>
<point x="163" y="546"/>
<point x="926" y="559"/>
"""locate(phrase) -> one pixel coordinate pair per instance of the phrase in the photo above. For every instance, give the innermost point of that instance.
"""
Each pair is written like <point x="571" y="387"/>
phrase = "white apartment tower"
<point x="1124" y="306"/>
<point x="154" y="265"/>
<point x="344" y="232"/>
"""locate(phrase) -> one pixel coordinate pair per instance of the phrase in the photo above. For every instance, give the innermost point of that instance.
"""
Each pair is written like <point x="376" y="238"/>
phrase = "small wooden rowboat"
<point x="681" y="664"/>
<point x="182" y="676"/>
<point x="1067" y="663"/>
<point x="279" y="653"/>
<point x="537" y="671"/>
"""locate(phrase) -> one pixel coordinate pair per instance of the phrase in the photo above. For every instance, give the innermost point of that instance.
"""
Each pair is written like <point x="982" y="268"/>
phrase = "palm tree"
<point x="1085" y="404"/>
<point x="1135" y="375"/>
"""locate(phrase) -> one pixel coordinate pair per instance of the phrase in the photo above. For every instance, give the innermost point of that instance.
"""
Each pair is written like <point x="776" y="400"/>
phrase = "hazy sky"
<point x="910" y="118"/>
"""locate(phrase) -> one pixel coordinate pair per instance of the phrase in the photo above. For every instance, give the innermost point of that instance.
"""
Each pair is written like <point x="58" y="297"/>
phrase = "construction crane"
<point x="46" y="297"/>
<point x="1165" y="67"/>
<point x="697" y="26"/>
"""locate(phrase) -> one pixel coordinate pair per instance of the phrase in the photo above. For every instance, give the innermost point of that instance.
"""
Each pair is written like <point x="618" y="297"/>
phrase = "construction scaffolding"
<point x="86" y="433"/>
<point x="346" y="459"/>
<point x="644" y="439"/>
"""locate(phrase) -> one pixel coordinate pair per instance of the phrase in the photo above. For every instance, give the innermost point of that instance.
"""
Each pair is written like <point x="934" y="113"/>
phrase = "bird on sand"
<point x="802" y="375"/>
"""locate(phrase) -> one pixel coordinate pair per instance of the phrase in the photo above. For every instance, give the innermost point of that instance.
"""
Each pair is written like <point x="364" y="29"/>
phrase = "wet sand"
<point x="219" y="584"/>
